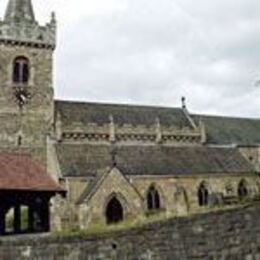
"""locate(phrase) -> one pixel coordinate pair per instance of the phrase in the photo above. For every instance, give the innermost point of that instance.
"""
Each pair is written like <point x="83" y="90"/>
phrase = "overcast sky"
<point x="155" y="51"/>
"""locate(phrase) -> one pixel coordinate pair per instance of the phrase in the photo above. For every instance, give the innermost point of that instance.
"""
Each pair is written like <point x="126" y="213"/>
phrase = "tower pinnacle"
<point x="19" y="11"/>
<point x="20" y="27"/>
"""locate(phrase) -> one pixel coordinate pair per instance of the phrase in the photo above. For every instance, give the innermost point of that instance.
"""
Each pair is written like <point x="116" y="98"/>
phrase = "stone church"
<point x="70" y="164"/>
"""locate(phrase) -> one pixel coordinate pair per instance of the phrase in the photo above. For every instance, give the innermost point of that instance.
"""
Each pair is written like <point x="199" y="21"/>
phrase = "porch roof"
<point x="18" y="171"/>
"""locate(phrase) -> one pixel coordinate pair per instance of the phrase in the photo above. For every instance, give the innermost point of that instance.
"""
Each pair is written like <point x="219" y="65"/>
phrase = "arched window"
<point x="243" y="190"/>
<point x="203" y="194"/>
<point x="20" y="70"/>
<point x="181" y="199"/>
<point x="229" y="189"/>
<point x="114" y="211"/>
<point x="153" y="199"/>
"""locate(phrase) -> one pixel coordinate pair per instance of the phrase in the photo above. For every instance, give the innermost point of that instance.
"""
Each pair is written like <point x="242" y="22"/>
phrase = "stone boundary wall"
<point x="230" y="234"/>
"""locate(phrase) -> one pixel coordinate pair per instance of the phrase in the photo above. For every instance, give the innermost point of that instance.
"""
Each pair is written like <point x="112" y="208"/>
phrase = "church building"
<point x="69" y="164"/>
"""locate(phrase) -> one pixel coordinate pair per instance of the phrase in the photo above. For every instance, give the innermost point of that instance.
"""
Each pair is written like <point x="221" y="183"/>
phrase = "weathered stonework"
<point x="33" y="122"/>
<point x="20" y="27"/>
<point x="230" y="234"/>
<point x="112" y="183"/>
<point x="103" y="152"/>
<point x="179" y="196"/>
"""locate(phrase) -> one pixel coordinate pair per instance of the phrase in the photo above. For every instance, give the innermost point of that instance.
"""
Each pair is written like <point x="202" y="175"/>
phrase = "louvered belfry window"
<point x="21" y="70"/>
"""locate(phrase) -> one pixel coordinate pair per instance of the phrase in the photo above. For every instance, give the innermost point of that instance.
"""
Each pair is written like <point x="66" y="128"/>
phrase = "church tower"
<point x="26" y="84"/>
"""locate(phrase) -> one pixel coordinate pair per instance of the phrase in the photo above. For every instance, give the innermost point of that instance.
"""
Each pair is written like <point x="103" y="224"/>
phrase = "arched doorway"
<point x="114" y="211"/>
<point x="243" y="190"/>
<point x="203" y="194"/>
<point x="153" y="199"/>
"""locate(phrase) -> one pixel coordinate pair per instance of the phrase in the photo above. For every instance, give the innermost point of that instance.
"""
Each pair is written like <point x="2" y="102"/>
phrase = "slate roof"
<point x="20" y="172"/>
<point x="92" y="185"/>
<point x="220" y="130"/>
<point x="85" y="160"/>
<point x="231" y="130"/>
<point x="95" y="183"/>
<point x="80" y="112"/>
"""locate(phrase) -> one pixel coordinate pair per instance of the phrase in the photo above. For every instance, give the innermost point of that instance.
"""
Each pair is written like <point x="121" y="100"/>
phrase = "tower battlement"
<point x="19" y="27"/>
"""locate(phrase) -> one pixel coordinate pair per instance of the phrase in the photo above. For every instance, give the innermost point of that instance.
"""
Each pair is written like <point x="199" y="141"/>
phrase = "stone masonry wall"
<point x="33" y="122"/>
<point x="231" y="234"/>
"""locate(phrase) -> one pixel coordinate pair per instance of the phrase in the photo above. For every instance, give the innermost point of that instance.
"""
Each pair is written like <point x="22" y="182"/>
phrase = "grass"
<point x="100" y="228"/>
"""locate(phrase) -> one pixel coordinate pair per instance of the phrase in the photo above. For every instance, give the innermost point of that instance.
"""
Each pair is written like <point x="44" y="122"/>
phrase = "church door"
<point x="114" y="211"/>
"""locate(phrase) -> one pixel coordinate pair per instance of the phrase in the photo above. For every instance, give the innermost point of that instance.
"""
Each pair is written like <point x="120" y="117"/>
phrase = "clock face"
<point x="21" y="96"/>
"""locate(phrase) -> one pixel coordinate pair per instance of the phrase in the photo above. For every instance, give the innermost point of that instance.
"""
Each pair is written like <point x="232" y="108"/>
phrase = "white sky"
<point x="155" y="51"/>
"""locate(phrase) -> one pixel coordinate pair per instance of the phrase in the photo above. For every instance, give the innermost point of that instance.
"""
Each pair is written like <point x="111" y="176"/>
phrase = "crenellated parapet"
<point x="28" y="34"/>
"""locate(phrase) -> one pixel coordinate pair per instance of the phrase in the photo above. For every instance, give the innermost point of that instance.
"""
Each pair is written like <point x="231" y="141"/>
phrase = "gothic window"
<point x="19" y="140"/>
<point x="20" y="70"/>
<point x="203" y="194"/>
<point x="181" y="199"/>
<point x="243" y="190"/>
<point x="114" y="211"/>
<point x="229" y="189"/>
<point x="153" y="199"/>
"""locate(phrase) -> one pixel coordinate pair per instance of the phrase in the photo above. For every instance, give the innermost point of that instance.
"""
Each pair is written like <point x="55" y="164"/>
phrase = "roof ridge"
<point x="136" y="105"/>
<point x="115" y="104"/>
<point x="225" y="117"/>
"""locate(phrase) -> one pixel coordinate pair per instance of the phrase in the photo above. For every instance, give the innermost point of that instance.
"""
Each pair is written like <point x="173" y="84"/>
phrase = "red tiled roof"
<point x="20" y="172"/>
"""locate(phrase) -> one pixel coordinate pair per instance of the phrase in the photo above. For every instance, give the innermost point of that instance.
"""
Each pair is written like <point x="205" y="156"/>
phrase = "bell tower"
<point x="26" y="84"/>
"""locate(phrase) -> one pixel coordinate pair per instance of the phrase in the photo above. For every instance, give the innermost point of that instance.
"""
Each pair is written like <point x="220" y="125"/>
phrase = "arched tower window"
<point x="114" y="211"/>
<point x="203" y="194"/>
<point x="21" y="70"/>
<point x="243" y="190"/>
<point x="153" y="199"/>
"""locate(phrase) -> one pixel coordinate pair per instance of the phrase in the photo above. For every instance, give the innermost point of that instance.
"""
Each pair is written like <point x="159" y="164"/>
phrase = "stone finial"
<point x="202" y="131"/>
<point x="19" y="11"/>
<point x="58" y="127"/>
<point x="186" y="112"/>
<point x="158" y="130"/>
<point x="112" y="134"/>
<point x="183" y="102"/>
<point x="53" y="18"/>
